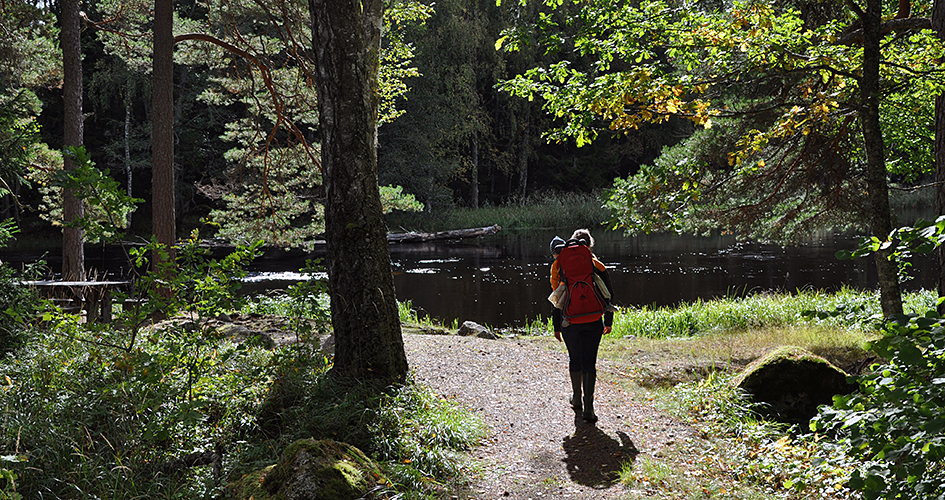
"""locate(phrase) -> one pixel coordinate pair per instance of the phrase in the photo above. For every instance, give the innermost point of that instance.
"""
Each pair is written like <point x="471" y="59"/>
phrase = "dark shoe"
<point x="589" y="380"/>
<point x="576" y="381"/>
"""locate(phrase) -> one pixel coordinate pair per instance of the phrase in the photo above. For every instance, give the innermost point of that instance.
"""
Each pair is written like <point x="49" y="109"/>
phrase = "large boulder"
<point x="312" y="470"/>
<point x="790" y="384"/>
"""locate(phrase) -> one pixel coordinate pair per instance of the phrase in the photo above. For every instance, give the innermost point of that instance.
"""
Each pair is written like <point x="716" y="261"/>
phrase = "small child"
<point x="557" y="296"/>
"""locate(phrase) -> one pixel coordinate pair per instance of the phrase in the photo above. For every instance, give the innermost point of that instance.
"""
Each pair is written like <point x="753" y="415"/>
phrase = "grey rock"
<point x="472" y="328"/>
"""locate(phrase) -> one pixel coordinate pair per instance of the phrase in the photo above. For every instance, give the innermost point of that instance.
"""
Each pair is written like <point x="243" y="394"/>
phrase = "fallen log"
<point x="456" y="234"/>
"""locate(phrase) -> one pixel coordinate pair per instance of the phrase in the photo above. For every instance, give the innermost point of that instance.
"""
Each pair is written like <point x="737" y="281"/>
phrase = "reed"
<point x="544" y="210"/>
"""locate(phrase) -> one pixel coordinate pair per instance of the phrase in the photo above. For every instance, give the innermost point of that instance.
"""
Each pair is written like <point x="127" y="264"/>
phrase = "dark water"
<point x="502" y="280"/>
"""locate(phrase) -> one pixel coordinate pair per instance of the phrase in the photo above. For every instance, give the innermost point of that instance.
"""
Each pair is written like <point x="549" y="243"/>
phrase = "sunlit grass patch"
<point x="846" y="308"/>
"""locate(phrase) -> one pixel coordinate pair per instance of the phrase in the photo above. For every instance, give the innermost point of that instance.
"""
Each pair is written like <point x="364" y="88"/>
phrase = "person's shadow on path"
<point x="593" y="458"/>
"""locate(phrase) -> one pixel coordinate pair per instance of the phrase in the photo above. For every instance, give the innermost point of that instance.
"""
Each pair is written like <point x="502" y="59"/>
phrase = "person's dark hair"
<point x="583" y="235"/>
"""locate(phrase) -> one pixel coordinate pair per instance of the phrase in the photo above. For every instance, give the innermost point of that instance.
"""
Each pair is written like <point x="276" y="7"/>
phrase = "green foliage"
<point x="894" y="424"/>
<point x="306" y="300"/>
<point x="29" y="52"/>
<point x="90" y="412"/>
<point x="422" y="436"/>
<point x="393" y="198"/>
<point x="191" y="283"/>
<point x="781" y="84"/>
<point x="106" y="205"/>
<point x="19" y="304"/>
<point x="19" y="134"/>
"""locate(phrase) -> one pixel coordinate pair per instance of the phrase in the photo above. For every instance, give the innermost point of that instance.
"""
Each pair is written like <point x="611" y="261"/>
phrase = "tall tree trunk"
<point x="474" y="173"/>
<point x="879" y="212"/>
<point x="368" y="340"/>
<point x="73" y="239"/>
<point x="938" y="24"/>
<point x="162" y="127"/>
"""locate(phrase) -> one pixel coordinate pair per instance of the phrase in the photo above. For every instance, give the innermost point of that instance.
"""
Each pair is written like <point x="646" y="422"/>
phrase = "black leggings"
<point x="582" y="341"/>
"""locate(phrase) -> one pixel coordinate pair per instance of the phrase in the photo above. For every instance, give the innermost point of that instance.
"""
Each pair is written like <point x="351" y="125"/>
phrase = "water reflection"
<point x="502" y="280"/>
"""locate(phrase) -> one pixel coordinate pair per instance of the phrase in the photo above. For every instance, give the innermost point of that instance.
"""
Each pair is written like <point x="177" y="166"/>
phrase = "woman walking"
<point x="581" y="332"/>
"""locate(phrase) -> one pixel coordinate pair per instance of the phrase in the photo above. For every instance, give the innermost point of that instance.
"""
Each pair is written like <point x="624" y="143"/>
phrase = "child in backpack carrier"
<point x="601" y="279"/>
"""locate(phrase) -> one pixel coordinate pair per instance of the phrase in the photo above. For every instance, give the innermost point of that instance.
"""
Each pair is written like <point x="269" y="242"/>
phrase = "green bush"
<point x="19" y="306"/>
<point x="895" y="424"/>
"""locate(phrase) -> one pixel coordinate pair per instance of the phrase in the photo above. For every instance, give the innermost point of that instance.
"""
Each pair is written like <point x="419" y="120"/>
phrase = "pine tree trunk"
<point x="162" y="127"/>
<point x="73" y="239"/>
<point x="368" y="339"/>
<point x="879" y="213"/>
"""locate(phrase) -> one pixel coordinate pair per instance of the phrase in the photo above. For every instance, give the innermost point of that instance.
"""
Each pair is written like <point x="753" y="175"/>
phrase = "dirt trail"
<point x="537" y="447"/>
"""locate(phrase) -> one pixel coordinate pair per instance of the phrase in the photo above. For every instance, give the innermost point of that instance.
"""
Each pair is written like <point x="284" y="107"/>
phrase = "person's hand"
<point x="558" y="336"/>
<point x="607" y="330"/>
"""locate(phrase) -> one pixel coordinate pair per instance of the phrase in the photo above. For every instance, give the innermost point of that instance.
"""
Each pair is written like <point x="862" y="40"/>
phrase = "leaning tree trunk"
<point x="938" y="24"/>
<point x="368" y="340"/>
<point x="73" y="238"/>
<point x="879" y="214"/>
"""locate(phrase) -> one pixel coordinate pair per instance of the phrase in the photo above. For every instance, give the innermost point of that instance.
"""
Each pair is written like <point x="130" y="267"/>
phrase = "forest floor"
<point x="537" y="446"/>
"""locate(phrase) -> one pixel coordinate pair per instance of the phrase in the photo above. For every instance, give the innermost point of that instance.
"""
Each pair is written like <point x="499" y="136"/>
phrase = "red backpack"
<point x="583" y="302"/>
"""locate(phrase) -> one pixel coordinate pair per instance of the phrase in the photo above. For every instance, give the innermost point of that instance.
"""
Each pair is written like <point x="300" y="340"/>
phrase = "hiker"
<point x="580" y="319"/>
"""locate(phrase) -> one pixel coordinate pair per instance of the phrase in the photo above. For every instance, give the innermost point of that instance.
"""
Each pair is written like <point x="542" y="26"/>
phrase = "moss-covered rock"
<point x="791" y="383"/>
<point x="312" y="470"/>
<point x="249" y="486"/>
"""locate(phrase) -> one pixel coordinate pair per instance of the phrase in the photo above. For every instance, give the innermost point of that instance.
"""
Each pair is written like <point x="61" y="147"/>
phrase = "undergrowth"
<point x="129" y="410"/>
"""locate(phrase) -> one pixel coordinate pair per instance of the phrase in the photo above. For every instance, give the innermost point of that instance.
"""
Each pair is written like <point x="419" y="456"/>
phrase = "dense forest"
<point x="245" y="119"/>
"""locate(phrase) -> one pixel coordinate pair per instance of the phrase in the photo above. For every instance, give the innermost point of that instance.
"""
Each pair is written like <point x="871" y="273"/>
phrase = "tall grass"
<point x="846" y="308"/>
<point x="544" y="210"/>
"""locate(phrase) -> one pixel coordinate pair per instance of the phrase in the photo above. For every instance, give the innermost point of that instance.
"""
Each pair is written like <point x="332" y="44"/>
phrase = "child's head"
<point x="556" y="245"/>
<point x="585" y="236"/>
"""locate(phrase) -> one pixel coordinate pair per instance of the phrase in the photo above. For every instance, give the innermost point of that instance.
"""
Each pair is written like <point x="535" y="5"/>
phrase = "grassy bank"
<point x="545" y="210"/>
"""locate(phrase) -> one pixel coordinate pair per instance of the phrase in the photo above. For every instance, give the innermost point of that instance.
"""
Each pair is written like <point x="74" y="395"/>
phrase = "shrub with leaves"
<point x="895" y="422"/>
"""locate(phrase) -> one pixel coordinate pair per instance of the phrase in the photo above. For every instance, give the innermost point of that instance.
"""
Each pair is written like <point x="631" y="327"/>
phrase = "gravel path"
<point x="537" y="448"/>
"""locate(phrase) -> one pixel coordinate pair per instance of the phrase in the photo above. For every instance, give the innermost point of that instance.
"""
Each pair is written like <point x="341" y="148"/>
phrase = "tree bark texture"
<point x="879" y="214"/>
<point x="938" y="24"/>
<point x="162" y="126"/>
<point x="368" y="339"/>
<point x="73" y="238"/>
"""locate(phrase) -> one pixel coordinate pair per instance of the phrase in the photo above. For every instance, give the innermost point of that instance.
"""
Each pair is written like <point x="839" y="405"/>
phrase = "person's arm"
<point x="609" y="315"/>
